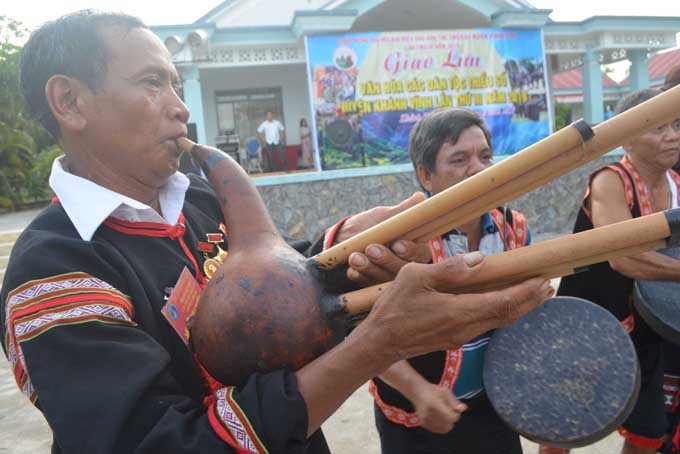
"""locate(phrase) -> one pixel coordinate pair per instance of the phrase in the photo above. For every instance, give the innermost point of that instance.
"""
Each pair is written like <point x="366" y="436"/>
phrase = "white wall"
<point x="291" y="78"/>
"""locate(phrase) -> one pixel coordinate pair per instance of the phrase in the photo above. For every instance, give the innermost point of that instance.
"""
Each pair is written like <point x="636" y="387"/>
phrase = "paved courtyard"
<point x="349" y="431"/>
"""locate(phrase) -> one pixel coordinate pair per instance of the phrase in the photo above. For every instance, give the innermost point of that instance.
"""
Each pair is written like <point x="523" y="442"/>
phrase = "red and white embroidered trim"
<point x="30" y="327"/>
<point x="517" y="235"/>
<point x="67" y="299"/>
<point x="644" y="200"/>
<point x="232" y="418"/>
<point x="454" y="359"/>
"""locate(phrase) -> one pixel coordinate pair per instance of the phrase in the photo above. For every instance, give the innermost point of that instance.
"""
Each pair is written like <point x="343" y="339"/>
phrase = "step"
<point x="7" y="236"/>
<point x="6" y="248"/>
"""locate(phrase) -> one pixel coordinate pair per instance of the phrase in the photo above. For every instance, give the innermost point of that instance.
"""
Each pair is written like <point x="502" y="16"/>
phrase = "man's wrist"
<point x="405" y="379"/>
<point x="374" y="350"/>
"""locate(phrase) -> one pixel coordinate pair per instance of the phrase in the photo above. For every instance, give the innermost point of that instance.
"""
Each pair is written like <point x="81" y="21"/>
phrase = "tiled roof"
<point x="573" y="79"/>
<point x="659" y="65"/>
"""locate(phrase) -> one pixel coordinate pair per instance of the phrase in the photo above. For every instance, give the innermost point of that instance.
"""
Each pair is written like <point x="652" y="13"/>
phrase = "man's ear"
<point x="425" y="177"/>
<point x="65" y="98"/>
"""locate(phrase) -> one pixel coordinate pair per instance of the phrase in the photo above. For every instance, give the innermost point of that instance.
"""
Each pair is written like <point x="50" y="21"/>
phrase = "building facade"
<point x="249" y="54"/>
<point x="247" y="57"/>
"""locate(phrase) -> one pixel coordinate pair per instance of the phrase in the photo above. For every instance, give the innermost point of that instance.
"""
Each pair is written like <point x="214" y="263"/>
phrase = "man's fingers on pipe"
<point x="365" y="271"/>
<point x="410" y="251"/>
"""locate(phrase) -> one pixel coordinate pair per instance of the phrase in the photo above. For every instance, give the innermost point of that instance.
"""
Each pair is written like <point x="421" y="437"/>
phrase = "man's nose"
<point x="673" y="133"/>
<point x="476" y="166"/>
<point x="177" y="109"/>
<point x="181" y="112"/>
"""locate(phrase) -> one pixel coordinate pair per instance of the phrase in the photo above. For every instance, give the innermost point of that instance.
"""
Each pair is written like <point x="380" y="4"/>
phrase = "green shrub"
<point x="37" y="187"/>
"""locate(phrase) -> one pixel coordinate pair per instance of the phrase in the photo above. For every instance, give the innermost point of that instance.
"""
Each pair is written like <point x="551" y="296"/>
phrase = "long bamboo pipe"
<point x="536" y="165"/>
<point x="554" y="258"/>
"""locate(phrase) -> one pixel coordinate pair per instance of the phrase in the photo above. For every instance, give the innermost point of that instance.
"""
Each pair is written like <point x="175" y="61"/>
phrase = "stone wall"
<point x="304" y="210"/>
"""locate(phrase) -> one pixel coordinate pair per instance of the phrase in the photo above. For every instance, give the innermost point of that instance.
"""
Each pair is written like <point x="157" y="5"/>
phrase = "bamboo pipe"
<point x="553" y="258"/>
<point x="608" y="135"/>
<point x="526" y="182"/>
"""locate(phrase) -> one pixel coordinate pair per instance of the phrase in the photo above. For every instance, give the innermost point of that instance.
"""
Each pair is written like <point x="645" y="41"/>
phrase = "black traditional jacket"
<point x="82" y="328"/>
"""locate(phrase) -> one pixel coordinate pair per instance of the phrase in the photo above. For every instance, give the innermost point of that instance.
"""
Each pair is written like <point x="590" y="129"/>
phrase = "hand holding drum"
<point x="658" y="303"/>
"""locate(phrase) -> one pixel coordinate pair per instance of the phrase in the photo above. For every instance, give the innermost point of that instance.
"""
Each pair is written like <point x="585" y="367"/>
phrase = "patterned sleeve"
<point x="105" y="385"/>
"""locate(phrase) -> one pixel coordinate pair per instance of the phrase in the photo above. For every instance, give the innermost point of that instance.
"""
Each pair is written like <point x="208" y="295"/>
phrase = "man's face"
<point x="455" y="162"/>
<point x="135" y="115"/>
<point x="270" y="116"/>
<point x="659" y="148"/>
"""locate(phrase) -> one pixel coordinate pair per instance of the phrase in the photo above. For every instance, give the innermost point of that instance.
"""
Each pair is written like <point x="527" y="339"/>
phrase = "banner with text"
<point x="368" y="89"/>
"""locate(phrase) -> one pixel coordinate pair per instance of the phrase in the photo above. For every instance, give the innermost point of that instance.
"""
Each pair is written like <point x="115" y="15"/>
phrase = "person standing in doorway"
<point x="306" y="144"/>
<point x="272" y="135"/>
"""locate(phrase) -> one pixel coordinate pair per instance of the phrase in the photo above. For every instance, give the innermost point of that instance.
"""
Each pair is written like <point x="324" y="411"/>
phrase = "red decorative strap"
<point x="676" y="440"/>
<point x="454" y="359"/>
<point x="639" y="441"/>
<point x="329" y="238"/>
<point x="210" y="383"/>
<point x="552" y="450"/>
<point x="676" y="400"/>
<point x="513" y="235"/>
<point x="628" y="323"/>
<point x="159" y="230"/>
<point x="153" y="229"/>
<point x="644" y="200"/>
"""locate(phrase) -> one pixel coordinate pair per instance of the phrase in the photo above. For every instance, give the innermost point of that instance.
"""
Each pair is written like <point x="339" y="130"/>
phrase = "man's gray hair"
<point x="633" y="99"/>
<point x="437" y="128"/>
<point x="71" y="46"/>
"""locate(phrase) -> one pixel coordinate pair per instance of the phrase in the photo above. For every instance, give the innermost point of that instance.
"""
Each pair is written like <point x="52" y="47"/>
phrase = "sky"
<point x="33" y="12"/>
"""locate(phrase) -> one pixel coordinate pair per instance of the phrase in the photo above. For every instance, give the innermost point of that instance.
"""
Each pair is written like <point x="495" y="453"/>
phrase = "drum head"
<point x="339" y="133"/>
<point x="658" y="303"/>
<point x="565" y="375"/>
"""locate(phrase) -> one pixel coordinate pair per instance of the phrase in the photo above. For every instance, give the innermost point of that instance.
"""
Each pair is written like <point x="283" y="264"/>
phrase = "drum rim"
<point x="589" y="438"/>
<point x="658" y="324"/>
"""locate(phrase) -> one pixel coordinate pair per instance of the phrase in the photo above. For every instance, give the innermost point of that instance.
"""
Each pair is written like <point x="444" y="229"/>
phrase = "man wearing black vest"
<point x="641" y="183"/>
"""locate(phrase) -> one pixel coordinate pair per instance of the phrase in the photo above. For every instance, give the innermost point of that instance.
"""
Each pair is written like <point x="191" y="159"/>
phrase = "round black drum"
<point x="565" y="375"/>
<point x="658" y="303"/>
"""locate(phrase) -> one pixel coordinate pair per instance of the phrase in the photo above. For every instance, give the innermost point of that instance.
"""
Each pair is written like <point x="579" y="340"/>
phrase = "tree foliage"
<point x="21" y="139"/>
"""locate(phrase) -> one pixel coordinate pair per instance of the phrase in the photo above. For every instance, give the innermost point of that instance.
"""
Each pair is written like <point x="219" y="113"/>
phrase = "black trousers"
<point x="280" y="152"/>
<point x="648" y="418"/>
<point x="479" y="431"/>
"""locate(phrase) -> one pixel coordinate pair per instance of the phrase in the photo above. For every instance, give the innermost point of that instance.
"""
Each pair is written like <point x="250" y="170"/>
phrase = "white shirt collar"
<point x="88" y="204"/>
